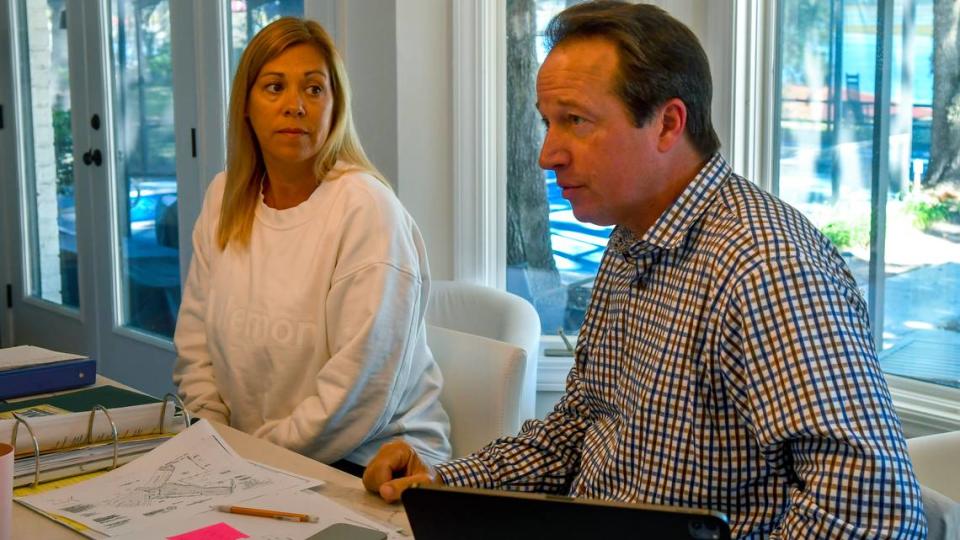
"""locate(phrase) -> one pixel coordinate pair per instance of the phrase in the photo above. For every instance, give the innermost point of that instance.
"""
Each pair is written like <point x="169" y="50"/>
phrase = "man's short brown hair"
<point x="659" y="59"/>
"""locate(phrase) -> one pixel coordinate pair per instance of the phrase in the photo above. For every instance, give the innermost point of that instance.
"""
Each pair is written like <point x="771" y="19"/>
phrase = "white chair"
<point x="495" y="314"/>
<point x="482" y="385"/>
<point x="935" y="461"/>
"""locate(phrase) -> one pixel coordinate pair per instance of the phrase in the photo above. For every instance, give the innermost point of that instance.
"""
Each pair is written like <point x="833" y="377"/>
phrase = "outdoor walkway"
<point x="922" y="313"/>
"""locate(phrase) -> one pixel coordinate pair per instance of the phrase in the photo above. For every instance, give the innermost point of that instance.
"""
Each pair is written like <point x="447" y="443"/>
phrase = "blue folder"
<point x="52" y="377"/>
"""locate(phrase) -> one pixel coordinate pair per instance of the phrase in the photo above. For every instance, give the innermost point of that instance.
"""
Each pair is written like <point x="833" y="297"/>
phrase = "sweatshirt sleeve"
<point x="374" y="312"/>
<point x="193" y="370"/>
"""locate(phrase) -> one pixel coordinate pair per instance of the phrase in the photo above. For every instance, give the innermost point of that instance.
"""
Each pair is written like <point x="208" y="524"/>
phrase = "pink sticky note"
<point x="220" y="531"/>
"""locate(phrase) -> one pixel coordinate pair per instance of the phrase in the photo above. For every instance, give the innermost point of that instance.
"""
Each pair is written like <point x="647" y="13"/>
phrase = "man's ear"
<point x="673" y="123"/>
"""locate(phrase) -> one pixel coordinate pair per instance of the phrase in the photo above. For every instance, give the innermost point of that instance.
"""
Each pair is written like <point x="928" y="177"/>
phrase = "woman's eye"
<point x="273" y="88"/>
<point x="315" y="90"/>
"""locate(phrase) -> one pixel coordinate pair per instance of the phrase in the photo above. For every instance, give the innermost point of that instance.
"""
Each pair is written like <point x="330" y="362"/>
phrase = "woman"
<point x="302" y="316"/>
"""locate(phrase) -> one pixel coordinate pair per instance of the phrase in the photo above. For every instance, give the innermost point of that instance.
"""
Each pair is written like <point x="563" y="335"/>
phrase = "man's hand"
<point x="395" y="468"/>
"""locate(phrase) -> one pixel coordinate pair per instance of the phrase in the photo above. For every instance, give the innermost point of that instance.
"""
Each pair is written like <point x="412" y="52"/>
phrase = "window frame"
<point x="479" y="149"/>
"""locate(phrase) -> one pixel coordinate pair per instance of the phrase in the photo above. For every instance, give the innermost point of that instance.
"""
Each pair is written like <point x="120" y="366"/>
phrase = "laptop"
<point x="441" y="513"/>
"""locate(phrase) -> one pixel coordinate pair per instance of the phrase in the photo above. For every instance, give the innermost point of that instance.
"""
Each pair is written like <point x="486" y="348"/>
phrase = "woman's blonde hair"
<point x="245" y="165"/>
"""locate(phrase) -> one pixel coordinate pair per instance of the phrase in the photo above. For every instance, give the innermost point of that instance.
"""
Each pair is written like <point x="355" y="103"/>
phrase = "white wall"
<point x="425" y="128"/>
<point x="398" y="57"/>
<point x="712" y="22"/>
<point x="368" y="40"/>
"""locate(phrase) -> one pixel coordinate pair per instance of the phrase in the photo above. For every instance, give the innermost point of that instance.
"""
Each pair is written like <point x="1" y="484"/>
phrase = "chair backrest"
<point x="495" y="314"/>
<point x="935" y="460"/>
<point x="482" y="384"/>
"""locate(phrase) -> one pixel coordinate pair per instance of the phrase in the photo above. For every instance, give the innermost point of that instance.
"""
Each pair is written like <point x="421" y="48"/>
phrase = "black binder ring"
<point x="36" y="445"/>
<point x="113" y="428"/>
<point x="187" y="419"/>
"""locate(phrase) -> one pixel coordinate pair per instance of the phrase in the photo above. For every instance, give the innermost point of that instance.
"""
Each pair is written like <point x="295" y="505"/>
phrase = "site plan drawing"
<point x="177" y="480"/>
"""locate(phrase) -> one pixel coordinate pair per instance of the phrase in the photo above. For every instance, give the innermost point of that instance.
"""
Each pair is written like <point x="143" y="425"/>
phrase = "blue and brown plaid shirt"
<point x="725" y="362"/>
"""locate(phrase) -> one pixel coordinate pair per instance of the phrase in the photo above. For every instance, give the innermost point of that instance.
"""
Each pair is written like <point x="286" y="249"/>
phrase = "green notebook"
<point x="110" y="397"/>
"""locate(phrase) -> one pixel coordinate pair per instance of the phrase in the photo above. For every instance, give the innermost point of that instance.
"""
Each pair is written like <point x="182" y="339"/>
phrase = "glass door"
<point x="97" y="267"/>
<point x="45" y="292"/>
<point x="134" y="187"/>
<point x="109" y="160"/>
<point x="146" y="230"/>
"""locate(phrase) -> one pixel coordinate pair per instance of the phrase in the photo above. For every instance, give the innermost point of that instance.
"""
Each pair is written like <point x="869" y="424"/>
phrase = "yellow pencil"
<point x="263" y="512"/>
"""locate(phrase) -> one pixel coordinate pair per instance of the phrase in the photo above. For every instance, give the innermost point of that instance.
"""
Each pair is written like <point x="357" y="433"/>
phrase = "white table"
<point x="340" y="486"/>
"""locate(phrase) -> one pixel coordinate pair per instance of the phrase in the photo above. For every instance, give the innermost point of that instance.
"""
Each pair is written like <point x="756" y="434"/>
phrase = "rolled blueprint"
<point x="6" y="490"/>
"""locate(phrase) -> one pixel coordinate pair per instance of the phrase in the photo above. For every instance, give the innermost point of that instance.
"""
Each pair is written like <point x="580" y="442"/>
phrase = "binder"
<point x="41" y="458"/>
<point x="44" y="378"/>
<point x="26" y="370"/>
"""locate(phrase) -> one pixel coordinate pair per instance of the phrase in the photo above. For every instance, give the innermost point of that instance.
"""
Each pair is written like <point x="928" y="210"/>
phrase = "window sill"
<point x="552" y="370"/>
<point x="925" y="408"/>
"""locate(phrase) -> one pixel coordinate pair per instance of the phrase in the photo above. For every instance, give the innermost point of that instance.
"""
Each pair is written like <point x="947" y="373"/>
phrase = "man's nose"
<point x="553" y="154"/>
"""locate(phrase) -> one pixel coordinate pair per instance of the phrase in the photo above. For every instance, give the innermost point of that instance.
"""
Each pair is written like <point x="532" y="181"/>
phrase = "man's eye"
<point x="576" y="120"/>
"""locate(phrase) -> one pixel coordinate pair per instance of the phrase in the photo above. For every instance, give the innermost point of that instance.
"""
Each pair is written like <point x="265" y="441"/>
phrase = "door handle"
<point x="93" y="156"/>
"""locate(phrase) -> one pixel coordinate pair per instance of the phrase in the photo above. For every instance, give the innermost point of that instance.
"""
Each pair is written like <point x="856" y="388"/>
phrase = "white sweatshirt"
<point x="313" y="338"/>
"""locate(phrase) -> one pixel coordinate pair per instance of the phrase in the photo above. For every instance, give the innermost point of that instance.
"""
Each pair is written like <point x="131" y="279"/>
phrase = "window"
<point x="140" y="38"/>
<point x="141" y="50"/>
<point x="247" y="17"/>
<point x="871" y="158"/>
<point x="48" y="149"/>
<point x="551" y="257"/>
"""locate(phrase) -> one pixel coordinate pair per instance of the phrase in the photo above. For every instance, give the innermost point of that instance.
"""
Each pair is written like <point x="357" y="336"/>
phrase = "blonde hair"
<point x="245" y="164"/>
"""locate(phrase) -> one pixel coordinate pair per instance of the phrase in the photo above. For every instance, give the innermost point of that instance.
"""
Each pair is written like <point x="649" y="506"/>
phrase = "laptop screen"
<point x="439" y="512"/>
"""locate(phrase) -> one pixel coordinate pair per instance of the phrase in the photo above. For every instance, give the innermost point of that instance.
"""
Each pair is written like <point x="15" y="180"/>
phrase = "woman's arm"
<point x="193" y="371"/>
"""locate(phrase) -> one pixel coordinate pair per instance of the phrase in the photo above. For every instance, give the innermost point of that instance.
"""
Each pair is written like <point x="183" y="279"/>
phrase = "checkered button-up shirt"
<point x="725" y="362"/>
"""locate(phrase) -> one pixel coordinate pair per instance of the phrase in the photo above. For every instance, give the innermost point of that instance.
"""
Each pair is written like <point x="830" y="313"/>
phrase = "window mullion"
<point x="880" y="170"/>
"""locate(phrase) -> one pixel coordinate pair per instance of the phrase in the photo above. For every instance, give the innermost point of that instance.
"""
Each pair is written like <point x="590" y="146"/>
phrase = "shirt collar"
<point x="673" y="225"/>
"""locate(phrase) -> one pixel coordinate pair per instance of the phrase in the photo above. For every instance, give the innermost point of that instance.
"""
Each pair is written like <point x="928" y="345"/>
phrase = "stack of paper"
<point x="172" y="490"/>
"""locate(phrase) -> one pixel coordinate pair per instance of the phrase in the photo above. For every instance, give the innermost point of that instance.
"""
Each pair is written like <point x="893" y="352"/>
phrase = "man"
<point x="726" y="360"/>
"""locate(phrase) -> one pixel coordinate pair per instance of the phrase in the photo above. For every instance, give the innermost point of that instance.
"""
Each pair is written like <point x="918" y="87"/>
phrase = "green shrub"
<point x="846" y="234"/>
<point x="925" y="212"/>
<point x="838" y="233"/>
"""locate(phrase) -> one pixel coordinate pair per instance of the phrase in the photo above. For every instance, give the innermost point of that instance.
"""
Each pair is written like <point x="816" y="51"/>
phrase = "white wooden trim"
<point x="213" y="88"/>
<point x="744" y="96"/>
<point x="925" y="408"/>
<point x="479" y="126"/>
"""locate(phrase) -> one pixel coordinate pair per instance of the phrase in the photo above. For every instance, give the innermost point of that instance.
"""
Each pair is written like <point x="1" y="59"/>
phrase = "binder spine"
<point x="47" y="378"/>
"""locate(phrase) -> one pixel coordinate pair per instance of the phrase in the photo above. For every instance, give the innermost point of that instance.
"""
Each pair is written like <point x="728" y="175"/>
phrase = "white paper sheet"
<point x="28" y="355"/>
<point x="6" y="490"/>
<point x="174" y="482"/>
